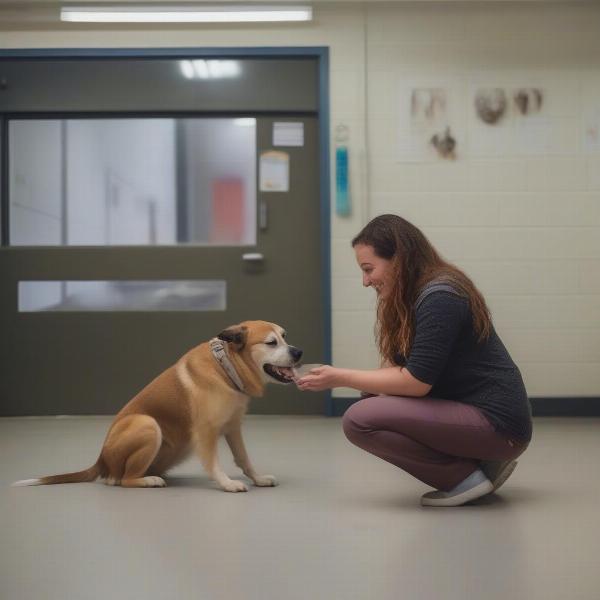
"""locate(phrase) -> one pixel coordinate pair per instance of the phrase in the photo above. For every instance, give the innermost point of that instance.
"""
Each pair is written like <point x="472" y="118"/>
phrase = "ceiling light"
<point x="185" y="14"/>
<point x="209" y="69"/>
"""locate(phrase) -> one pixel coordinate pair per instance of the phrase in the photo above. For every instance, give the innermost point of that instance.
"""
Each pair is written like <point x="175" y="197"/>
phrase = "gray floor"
<point x="342" y="524"/>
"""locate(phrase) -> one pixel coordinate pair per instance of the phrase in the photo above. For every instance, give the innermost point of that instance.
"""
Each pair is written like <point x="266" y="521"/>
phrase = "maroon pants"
<point x="440" y="442"/>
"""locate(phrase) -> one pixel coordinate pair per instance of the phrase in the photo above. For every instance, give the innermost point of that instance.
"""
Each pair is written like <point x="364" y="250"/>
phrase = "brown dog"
<point x="189" y="406"/>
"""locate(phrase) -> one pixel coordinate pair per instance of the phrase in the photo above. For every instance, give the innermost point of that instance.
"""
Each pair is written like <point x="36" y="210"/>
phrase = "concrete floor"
<point x="342" y="524"/>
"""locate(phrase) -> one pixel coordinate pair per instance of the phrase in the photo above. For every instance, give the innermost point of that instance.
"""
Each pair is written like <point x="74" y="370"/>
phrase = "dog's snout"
<point x="296" y="353"/>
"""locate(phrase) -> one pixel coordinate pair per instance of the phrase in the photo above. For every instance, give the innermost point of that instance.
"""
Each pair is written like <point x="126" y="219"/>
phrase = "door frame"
<point x="321" y="53"/>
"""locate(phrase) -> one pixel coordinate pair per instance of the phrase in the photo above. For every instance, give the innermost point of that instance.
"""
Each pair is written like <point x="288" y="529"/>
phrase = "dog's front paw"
<point x="265" y="481"/>
<point x="234" y="486"/>
<point x="155" y="482"/>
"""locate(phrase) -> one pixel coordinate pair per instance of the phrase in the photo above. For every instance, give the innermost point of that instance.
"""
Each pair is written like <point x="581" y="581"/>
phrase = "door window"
<point x="122" y="295"/>
<point x="106" y="182"/>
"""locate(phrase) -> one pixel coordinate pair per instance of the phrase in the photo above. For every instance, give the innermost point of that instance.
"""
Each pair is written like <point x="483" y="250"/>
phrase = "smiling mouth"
<point x="281" y="374"/>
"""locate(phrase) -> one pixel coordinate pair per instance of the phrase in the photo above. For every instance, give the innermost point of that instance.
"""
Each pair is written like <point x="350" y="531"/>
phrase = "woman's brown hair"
<point x="415" y="263"/>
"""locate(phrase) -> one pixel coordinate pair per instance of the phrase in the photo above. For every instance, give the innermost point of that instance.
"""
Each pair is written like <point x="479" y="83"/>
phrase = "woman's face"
<point x="377" y="271"/>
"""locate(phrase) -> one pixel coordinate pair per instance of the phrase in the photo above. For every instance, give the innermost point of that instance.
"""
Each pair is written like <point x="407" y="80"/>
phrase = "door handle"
<point x="263" y="215"/>
<point x="253" y="257"/>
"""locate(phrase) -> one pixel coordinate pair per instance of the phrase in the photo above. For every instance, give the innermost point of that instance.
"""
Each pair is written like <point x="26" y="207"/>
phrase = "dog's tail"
<point x="90" y="474"/>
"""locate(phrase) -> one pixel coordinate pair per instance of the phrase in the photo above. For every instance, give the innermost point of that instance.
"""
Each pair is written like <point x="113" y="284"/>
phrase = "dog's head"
<point x="266" y="346"/>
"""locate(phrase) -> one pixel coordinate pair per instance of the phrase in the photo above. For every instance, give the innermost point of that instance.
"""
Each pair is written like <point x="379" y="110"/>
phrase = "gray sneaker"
<point x="498" y="471"/>
<point x="473" y="487"/>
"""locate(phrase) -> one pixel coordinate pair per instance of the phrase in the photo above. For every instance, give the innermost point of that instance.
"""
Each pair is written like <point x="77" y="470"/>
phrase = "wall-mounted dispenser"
<point x="342" y="191"/>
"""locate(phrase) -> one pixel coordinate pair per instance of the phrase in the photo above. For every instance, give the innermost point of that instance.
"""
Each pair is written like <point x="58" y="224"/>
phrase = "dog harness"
<point x="217" y="347"/>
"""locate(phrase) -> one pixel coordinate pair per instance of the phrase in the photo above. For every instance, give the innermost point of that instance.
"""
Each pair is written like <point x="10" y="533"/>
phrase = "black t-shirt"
<point x="446" y="354"/>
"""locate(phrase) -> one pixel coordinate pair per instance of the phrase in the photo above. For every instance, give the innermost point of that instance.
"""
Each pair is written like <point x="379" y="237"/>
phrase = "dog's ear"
<point x="235" y="335"/>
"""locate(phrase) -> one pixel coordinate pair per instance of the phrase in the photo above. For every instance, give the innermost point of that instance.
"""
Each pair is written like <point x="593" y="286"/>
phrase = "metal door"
<point x="89" y="362"/>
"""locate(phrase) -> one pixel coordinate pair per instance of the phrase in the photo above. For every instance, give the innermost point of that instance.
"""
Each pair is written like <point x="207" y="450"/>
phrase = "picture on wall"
<point x="427" y="126"/>
<point x="506" y="118"/>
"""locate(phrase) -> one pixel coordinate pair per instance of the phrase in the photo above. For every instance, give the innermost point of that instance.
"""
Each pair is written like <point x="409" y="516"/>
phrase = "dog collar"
<point x="217" y="347"/>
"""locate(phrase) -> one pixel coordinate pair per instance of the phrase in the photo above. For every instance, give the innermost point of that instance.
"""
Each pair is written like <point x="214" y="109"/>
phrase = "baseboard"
<point x="566" y="407"/>
<point x="540" y="407"/>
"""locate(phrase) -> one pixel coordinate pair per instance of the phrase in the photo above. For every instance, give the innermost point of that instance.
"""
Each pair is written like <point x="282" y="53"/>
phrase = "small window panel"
<point x="122" y="295"/>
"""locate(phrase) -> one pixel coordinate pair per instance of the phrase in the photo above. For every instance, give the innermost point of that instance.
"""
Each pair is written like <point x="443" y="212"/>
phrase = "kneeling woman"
<point x="449" y="405"/>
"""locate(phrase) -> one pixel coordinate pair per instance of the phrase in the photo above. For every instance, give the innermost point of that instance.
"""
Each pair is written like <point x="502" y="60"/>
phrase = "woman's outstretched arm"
<point x="393" y="381"/>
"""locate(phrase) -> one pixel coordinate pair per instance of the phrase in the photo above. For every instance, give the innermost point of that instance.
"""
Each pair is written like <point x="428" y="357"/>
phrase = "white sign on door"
<point x="288" y="134"/>
<point x="274" y="171"/>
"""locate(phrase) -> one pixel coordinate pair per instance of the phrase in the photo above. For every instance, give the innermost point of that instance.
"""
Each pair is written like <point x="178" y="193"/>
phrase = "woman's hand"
<point x="320" y="378"/>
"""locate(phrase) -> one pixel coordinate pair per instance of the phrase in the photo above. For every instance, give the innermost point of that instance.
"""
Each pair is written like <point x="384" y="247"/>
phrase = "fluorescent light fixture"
<point x="209" y="69"/>
<point x="185" y="14"/>
<point x="245" y="122"/>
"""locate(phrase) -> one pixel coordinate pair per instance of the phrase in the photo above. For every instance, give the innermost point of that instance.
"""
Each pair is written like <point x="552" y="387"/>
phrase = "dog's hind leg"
<point x="206" y="447"/>
<point x="130" y="449"/>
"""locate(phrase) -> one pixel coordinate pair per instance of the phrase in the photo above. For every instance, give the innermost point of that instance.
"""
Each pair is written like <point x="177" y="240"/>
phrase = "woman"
<point x="448" y="405"/>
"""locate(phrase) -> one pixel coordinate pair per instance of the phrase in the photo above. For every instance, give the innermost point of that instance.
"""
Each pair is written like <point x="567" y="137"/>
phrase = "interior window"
<point x="122" y="295"/>
<point x="105" y="182"/>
